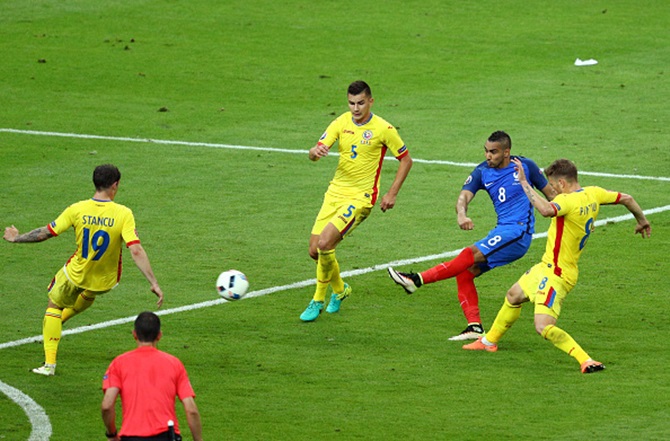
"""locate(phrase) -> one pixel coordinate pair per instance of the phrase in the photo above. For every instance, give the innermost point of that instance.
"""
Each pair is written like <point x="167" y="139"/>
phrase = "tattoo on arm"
<point x="37" y="235"/>
<point x="529" y="192"/>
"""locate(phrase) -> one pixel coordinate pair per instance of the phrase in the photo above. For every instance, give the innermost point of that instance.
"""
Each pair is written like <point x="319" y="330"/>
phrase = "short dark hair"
<point x="501" y="137"/>
<point x="147" y="327"/>
<point x="104" y="176"/>
<point x="562" y="168"/>
<point x="358" y="87"/>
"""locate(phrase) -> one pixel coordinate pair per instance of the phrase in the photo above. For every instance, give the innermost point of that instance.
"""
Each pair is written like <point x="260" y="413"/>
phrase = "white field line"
<point x="272" y="149"/>
<point x="301" y="284"/>
<point x="41" y="426"/>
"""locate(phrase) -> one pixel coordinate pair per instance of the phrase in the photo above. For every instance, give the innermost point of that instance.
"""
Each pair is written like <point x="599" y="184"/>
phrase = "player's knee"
<point x="478" y="256"/>
<point x="515" y="297"/>
<point x="325" y="244"/>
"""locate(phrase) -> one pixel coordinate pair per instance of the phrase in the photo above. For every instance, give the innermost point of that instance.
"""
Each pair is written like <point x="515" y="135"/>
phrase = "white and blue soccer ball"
<point x="232" y="285"/>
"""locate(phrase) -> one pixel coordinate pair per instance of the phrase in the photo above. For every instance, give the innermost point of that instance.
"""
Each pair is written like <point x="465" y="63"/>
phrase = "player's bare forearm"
<point x="543" y="206"/>
<point x="464" y="198"/>
<point x="388" y="201"/>
<point x="37" y="235"/>
<point x="142" y="261"/>
<point x="193" y="418"/>
<point x="643" y="227"/>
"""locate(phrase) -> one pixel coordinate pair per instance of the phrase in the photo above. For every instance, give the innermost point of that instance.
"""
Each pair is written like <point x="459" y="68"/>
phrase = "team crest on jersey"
<point x="468" y="180"/>
<point x="367" y="135"/>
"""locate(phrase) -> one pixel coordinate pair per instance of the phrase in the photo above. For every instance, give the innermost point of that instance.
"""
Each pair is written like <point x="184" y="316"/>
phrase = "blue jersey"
<point x="511" y="204"/>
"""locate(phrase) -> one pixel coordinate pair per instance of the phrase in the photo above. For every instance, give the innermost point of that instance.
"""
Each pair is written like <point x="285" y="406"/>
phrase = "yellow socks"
<point x="52" y="327"/>
<point x="327" y="272"/>
<point x="506" y="317"/>
<point x="565" y="343"/>
<point x="336" y="281"/>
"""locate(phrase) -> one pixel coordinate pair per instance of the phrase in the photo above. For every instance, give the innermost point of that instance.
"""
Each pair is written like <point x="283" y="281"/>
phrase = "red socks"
<point x="467" y="295"/>
<point x="449" y="269"/>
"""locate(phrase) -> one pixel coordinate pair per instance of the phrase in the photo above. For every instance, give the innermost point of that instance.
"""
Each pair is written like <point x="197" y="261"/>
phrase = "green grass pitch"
<point x="273" y="75"/>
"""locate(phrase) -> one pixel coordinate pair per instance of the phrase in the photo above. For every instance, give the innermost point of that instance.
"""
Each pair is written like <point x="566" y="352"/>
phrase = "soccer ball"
<point x="232" y="285"/>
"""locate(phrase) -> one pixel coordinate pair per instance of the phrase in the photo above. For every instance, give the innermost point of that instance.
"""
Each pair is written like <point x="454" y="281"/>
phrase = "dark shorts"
<point x="160" y="437"/>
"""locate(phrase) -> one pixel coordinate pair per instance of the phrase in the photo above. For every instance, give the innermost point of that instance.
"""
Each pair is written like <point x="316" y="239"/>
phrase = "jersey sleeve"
<point x="62" y="222"/>
<point x="393" y="141"/>
<point x="607" y="197"/>
<point x="562" y="204"/>
<point x="332" y="133"/>
<point x="129" y="232"/>
<point x="473" y="182"/>
<point x="184" y="388"/>
<point x="111" y="377"/>
<point x="535" y="175"/>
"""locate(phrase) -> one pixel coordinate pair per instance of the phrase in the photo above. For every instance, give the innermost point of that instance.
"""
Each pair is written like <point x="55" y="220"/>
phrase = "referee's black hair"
<point x="147" y="327"/>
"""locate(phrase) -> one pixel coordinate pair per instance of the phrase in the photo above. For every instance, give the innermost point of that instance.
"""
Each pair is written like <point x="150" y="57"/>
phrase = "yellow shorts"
<point x="545" y="289"/>
<point x="345" y="214"/>
<point x="64" y="293"/>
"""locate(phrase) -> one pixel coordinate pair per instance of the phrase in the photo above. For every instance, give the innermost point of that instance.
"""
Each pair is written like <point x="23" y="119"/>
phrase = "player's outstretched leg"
<point x="336" y="299"/>
<point x="409" y="281"/>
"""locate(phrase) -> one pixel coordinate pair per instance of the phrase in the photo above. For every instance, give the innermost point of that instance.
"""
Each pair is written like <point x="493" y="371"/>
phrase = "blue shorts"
<point x="504" y="245"/>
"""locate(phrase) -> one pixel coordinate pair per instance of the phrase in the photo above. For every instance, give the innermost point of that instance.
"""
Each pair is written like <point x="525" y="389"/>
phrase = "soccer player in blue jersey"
<point x="362" y="138"/>
<point x="507" y="242"/>
<point x="573" y="214"/>
<point x="101" y="226"/>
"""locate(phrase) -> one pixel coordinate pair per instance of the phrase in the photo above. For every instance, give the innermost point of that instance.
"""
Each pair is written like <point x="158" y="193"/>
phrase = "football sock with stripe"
<point x="506" y="317"/>
<point x="52" y="327"/>
<point x="563" y="341"/>
<point x="336" y="281"/>
<point x="324" y="271"/>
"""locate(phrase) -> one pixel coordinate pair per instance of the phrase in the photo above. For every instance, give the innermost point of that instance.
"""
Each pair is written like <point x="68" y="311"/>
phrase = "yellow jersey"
<point x="361" y="148"/>
<point x="100" y="229"/>
<point x="571" y="227"/>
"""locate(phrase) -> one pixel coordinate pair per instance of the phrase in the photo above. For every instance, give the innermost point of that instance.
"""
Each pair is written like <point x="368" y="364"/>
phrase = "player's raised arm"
<point x="37" y="235"/>
<point x="543" y="206"/>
